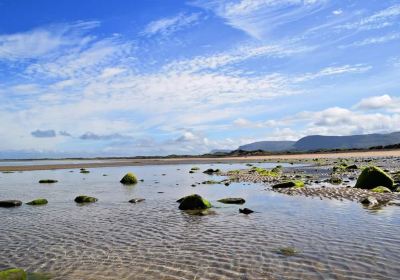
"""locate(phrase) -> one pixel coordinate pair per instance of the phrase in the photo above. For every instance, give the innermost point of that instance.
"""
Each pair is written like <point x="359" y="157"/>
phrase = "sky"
<point x="127" y="78"/>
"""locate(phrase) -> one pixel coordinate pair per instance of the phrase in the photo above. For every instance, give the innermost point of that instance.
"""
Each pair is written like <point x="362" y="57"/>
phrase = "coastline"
<point x="198" y="160"/>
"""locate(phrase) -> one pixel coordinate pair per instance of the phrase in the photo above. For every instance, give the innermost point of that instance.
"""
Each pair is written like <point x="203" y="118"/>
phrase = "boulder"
<point x="129" y="179"/>
<point x="381" y="189"/>
<point x="85" y="199"/>
<point x="39" y="201"/>
<point x="289" y="184"/>
<point x="13" y="274"/>
<point x="372" y="177"/>
<point x="232" y="200"/>
<point x="10" y="203"/>
<point x="47" y="181"/>
<point x="193" y="202"/>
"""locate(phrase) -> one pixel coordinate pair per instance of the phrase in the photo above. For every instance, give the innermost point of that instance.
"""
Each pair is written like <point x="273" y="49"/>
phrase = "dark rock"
<point x="136" y="200"/>
<point x="10" y="203"/>
<point x="193" y="202"/>
<point x="47" y="181"/>
<point x="290" y="184"/>
<point x="246" y="211"/>
<point x="211" y="171"/>
<point x="85" y="199"/>
<point x="369" y="201"/>
<point x="232" y="200"/>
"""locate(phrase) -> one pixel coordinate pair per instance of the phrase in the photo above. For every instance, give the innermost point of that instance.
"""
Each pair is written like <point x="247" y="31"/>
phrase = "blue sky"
<point x="102" y="78"/>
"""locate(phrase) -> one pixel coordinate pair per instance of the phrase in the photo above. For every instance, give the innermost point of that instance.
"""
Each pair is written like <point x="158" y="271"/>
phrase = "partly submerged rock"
<point x="136" y="200"/>
<point x="129" y="179"/>
<point x="47" y="181"/>
<point x="211" y="171"/>
<point x="372" y="177"/>
<point x="335" y="180"/>
<point x="39" y="201"/>
<point x="13" y="274"/>
<point x="287" y="251"/>
<point x="369" y="201"/>
<point x="85" y="199"/>
<point x="193" y="202"/>
<point x="246" y="211"/>
<point x="10" y="203"/>
<point x="232" y="200"/>
<point x="84" y="171"/>
<point x="381" y="189"/>
<point x="394" y="203"/>
<point x="289" y="184"/>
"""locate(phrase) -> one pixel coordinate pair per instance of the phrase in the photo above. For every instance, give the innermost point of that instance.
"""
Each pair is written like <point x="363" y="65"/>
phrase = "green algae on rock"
<point x="289" y="184"/>
<point x="381" y="189"/>
<point x="287" y="251"/>
<point x="232" y="200"/>
<point x="193" y="202"/>
<point x="129" y="179"/>
<point x="372" y="177"/>
<point x="85" y="199"/>
<point x="39" y="201"/>
<point x="13" y="274"/>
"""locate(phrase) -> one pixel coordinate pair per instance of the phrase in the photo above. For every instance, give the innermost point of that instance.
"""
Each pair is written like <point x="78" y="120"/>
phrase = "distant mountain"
<point x="270" y="146"/>
<point x="319" y="142"/>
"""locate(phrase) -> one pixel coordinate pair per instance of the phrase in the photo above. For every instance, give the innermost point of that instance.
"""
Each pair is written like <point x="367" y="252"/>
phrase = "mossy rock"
<point x="193" y="202"/>
<point x="84" y="171"/>
<point x="381" y="189"/>
<point x="195" y="168"/>
<point x="39" y="201"/>
<point x="129" y="179"/>
<point x="47" y="181"/>
<point x="372" y="177"/>
<point x="287" y="251"/>
<point x="211" y="171"/>
<point x="13" y="274"/>
<point x="85" y="199"/>
<point x="352" y="167"/>
<point x="335" y="180"/>
<point x="232" y="200"/>
<point x="289" y="184"/>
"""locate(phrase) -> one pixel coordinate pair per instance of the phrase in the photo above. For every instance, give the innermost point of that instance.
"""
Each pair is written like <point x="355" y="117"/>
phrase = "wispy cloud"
<point x="170" y="25"/>
<point x="374" y="40"/>
<point x="43" y="133"/>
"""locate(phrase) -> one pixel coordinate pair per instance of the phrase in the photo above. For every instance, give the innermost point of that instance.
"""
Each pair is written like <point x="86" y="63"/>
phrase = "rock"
<point x="381" y="189"/>
<point x="129" y="179"/>
<point x="232" y="200"/>
<point x="136" y="200"/>
<point x="372" y="177"/>
<point x="369" y="201"/>
<point x="39" y="201"/>
<point x="85" y="199"/>
<point x="287" y="251"/>
<point x="195" y="168"/>
<point x="352" y="167"/>
<point x="335" y="181"/>
<point x="289" y="184"/>
<point x="10" y="203"/>
<point x="211" y="171"/>
<point x="246" y="211"/>
<point x="13" y="274"/>
<point x="193" y="202"/>
<point x="84" y="171"/>
<point x="394" y="203"/>
<point x="47" y="181"/>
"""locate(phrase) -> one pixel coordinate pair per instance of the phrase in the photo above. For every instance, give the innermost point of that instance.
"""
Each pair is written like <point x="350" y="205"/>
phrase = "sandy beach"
<point x="194" y="160"/>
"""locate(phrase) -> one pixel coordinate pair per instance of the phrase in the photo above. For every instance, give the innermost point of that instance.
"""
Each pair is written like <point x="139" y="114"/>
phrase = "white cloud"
<point x="333" y="71"/>
<point x="40" y="42"/>
<point x="337" y="12"/>
<point x="258" y="17"/>
<point x="381" y="19"/>
<point x="382" y="102"/>
<point x="170" y="25"/>
<point x="374" y="40"/>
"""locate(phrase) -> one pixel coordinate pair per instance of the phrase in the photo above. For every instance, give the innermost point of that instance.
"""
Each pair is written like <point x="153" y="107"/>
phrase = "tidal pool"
<point x="114" y="239"/>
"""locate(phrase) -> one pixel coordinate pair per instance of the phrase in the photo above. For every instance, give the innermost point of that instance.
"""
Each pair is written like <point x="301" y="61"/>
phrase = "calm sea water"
<point x="113" y="239"/>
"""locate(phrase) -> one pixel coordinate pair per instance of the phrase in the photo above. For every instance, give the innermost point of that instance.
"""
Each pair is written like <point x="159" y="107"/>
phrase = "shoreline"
<point x="195" y="160"/>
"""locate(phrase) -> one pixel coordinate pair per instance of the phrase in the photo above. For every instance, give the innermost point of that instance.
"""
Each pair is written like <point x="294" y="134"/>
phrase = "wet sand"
<point x="194" y="160"/>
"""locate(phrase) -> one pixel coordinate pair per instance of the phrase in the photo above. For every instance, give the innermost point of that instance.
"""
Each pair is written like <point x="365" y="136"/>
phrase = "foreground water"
<point x="113" y="239"/>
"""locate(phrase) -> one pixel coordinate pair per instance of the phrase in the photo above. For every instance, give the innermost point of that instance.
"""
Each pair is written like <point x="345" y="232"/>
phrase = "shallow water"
<point x="113" y="239"/>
